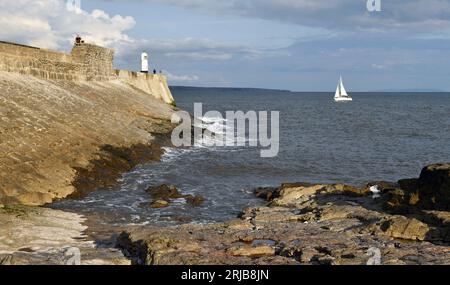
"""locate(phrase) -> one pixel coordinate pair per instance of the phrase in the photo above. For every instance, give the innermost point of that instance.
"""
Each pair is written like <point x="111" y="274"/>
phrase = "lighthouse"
<point x="144" y="62"/>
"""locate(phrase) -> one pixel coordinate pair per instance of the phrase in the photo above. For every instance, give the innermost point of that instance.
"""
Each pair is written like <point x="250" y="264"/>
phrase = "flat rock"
<point x="41" y="236"/>
<point x="251" y="251"/>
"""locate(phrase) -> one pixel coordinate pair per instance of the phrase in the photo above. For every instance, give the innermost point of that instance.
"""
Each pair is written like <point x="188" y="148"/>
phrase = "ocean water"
<point x="378" y="136"/>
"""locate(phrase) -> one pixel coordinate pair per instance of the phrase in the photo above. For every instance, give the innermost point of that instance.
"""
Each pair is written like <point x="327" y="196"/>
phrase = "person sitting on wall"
<point x="78" y="40"/>
<point x="154" y="71"/>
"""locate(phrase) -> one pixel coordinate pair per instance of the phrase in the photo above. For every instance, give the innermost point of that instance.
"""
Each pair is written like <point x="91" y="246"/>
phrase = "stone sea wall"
<point x="41" y="63"/>
<point x="86" y="62"/>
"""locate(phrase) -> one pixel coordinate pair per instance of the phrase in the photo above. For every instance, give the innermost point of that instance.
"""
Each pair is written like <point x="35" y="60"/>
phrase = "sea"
<point x="378" y="136"/>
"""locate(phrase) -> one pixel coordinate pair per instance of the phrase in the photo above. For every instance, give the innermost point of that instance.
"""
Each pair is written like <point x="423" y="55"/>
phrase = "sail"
<point x="338" y="92"/>
<point x="342" y="89"/>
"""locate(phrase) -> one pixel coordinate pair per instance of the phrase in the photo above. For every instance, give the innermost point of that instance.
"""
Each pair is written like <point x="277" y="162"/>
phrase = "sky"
<point x="299" y="45"/>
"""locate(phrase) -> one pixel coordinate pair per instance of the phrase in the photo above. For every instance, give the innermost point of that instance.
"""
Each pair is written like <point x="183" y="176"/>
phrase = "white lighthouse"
<point x="144" y="62"/>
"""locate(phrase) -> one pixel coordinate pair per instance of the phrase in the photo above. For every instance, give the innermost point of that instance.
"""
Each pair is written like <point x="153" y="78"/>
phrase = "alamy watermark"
<point x="73" y="6"/>
<point x="374" y="5"/>
<point x="72" y="256"/>
<point x="239" y="129"/>
<point x="374" y="256"/>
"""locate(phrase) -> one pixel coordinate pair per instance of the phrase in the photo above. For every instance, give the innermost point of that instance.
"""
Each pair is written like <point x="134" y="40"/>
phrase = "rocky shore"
<point x="407" y="222"/>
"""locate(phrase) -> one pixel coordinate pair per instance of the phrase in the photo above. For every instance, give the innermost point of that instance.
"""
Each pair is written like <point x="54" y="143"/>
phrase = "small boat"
<point x="341" y="93"/>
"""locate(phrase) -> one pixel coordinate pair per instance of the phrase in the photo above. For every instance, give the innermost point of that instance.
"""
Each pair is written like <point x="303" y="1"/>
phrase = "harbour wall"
<point x="86" y="62"/>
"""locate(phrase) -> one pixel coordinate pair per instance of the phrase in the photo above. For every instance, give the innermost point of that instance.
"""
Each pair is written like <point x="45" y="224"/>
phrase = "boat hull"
<point x="343" y="99"/>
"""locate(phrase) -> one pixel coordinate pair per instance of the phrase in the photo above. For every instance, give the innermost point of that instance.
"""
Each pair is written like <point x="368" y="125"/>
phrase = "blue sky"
<point x="301" y="45"/>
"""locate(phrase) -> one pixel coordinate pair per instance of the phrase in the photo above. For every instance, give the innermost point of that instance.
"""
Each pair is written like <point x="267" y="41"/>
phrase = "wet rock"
<point x="194" y="200"/>
<point x="434" y="186"/>
<point x="400" y="201"/>
<point x="346" y="190"/>
<point x="431" y="191"/>
<point x="164" y="192"/>
<point x="408" y="185"/>
<point x="266" y="193"/>
<point x="181" y="219"/>
<point x="159" y="204"/>
<point x="296" y="195"/>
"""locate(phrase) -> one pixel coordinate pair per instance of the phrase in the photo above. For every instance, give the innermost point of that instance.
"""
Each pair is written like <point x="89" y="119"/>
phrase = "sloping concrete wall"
<point x="51" y="131"/>
<point x="153" y="84"/>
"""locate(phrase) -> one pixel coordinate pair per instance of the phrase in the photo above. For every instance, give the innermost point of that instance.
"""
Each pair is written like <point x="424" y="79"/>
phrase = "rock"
<point x="408" y="185"/>
<point x="159" y="204"/>
<point x="163" y="195"/>
<point x="295" y="185"/>
<point x="292" y="195"/>
<point x="434" y="186"/>
<point x="239" y="225"/>
<point x="195" y="200"/>
<point x="249" y="251"/>
<point x="401" y="201"/>
<point x="405" y="228"/>
<point x="430" y="192"/>
<point x="266" y="193"/>
<point x="164" y="192"/>
<point x="440" y="220"/>
<point x="41" y="236"/>
<point x="346" y="190"/>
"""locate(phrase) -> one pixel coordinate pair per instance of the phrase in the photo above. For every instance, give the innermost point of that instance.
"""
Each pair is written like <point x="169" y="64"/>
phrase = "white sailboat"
<point x="341" y="94"/>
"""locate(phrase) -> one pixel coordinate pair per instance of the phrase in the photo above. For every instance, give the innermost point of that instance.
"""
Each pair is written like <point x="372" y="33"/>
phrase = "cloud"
<point x="181" y="78"/>
<point x="54" y="24"/>
<point x="343" y="15"/>
<point x="50" y="24"/>
<point x="189" y="50"/>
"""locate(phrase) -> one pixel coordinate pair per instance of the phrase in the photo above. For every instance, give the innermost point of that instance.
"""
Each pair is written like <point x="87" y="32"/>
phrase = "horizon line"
<point x="306" y="91"/>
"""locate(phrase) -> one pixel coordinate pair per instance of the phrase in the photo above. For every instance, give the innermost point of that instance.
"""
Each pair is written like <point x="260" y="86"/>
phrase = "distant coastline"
<point x="174" y="88"/>
<point x="256" y="89"/>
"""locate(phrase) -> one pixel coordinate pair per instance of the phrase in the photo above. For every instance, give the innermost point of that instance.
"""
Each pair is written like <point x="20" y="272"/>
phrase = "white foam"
<point x="171" y="153"/>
